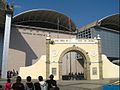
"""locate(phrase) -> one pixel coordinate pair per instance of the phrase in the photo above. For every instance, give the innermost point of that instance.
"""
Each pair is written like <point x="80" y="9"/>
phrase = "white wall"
<point x="35" y="70"/>
<point x="110" y="70"/>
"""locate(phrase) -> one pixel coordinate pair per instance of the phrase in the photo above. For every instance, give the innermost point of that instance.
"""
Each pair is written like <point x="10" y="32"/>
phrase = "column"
<point x="47" y="56"/>
<point x="6" y="41"/>
<point x="100" y="57"/>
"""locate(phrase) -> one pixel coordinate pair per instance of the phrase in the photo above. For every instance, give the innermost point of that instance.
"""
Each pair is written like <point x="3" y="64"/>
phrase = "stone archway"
<point x="83" y="53"/>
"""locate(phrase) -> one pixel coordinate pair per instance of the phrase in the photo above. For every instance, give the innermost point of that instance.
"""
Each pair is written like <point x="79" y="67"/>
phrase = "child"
<point x="8" y="84"/>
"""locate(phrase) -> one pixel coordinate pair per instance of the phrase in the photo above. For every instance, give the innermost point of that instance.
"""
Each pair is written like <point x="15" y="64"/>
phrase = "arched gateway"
<point x="51" y="63"/>
<point x="96" y="64"/>
<point x="89" y="49"/>
<point x="85" y="57"/>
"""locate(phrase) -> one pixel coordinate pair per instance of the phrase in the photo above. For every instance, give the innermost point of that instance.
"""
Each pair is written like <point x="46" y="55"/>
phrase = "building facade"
<point x="108" y="29"/>
<point x="28" y="36"/>
<point x="29" y="30"/>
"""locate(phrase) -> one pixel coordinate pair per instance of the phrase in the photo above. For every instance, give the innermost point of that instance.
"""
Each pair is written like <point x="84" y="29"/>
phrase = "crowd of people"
<point x="49" y="84"/>
<point x="12" y="73"/>
<point x="73" y="76"/>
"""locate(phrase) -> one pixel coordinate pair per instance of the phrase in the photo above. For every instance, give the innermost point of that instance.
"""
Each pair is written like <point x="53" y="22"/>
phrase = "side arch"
<point x="85" y="56"/>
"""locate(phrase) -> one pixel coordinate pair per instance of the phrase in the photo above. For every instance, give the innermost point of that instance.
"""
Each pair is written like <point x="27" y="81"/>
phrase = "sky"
<point x="82" y="12"/>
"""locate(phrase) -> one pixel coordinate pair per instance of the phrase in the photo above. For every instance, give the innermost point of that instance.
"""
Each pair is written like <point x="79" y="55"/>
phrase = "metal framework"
<point x="110" y="22"/>
<point x="2" y="13"/>
<point x="45" y="19"/>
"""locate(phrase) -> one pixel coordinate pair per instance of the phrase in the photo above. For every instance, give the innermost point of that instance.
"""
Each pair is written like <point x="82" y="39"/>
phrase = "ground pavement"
<point x="76" y="84"/>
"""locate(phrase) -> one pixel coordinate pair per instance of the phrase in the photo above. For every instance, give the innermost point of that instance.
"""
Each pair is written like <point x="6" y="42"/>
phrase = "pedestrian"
<point x="17" y="73"/>
<point x="37" y="85"/>
<point x="76" y="76"/>
<point x="41" y="85"/>
<point x="50" y="81"/>
<point x="29" y="85"/>
<point x="18" y="85"/>
<point x="8" y="84"/>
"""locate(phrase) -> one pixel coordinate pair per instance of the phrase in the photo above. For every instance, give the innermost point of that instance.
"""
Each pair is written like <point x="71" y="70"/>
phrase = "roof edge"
<point x="95" y="23"/>
<point x="107" y="17"/>
<point x="44" y="29"/>
<point x="37" y="10"/>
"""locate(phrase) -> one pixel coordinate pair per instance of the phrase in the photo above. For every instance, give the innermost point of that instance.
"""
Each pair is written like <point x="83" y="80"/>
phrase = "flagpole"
<point x="58" y="27"/>
<point x="70" y="66"/>
<point x="69" y="23"/>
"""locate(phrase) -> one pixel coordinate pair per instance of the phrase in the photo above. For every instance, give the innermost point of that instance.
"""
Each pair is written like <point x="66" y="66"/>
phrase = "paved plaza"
<point x="77" y="84"/>
<point x="82" y="84"/>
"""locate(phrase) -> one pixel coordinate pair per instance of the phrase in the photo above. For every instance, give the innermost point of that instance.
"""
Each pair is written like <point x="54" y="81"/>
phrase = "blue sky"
<point x="82" y="12"/>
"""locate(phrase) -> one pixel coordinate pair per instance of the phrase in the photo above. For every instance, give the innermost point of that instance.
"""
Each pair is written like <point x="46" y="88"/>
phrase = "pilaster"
<point x="100" y="58"/>
<point x="47" y="56"/>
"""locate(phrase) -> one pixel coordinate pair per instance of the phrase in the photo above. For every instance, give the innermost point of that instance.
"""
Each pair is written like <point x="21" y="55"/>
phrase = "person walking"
<point x="8" y="84"/>
<point x="29" y="85"/>
<point x="18" y="85"/>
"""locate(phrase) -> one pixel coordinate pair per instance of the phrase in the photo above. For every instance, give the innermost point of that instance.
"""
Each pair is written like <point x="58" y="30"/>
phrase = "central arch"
<point x="85" y="56"/>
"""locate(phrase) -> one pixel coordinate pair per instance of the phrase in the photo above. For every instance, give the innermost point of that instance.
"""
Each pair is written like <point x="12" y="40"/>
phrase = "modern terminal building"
<point x="28" y="34"/>
<point x="109" y="30"/>
<point x="29" y="29"/>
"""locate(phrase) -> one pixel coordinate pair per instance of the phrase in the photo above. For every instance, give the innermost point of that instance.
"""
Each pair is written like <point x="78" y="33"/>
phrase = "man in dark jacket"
<point x="18" y="85"/>
<point x="50" y="82"/>
<point x="37" y="85"/>
<point x="29" y="85"/>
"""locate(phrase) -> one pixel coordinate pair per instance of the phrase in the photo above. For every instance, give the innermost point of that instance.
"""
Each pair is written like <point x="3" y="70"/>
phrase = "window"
<point x="94" y="70"/>
<point x="54" y="71"/>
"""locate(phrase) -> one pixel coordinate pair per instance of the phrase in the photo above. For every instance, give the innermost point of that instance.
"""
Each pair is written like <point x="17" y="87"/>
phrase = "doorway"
<point x="73" y="66"/>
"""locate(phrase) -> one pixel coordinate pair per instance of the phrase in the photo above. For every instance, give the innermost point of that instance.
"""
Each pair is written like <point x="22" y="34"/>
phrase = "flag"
<point x="69" y="21"/>
<point x="58" y="21"/>
<point x="69" y="24"/>
<point x="58" y="26"/>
